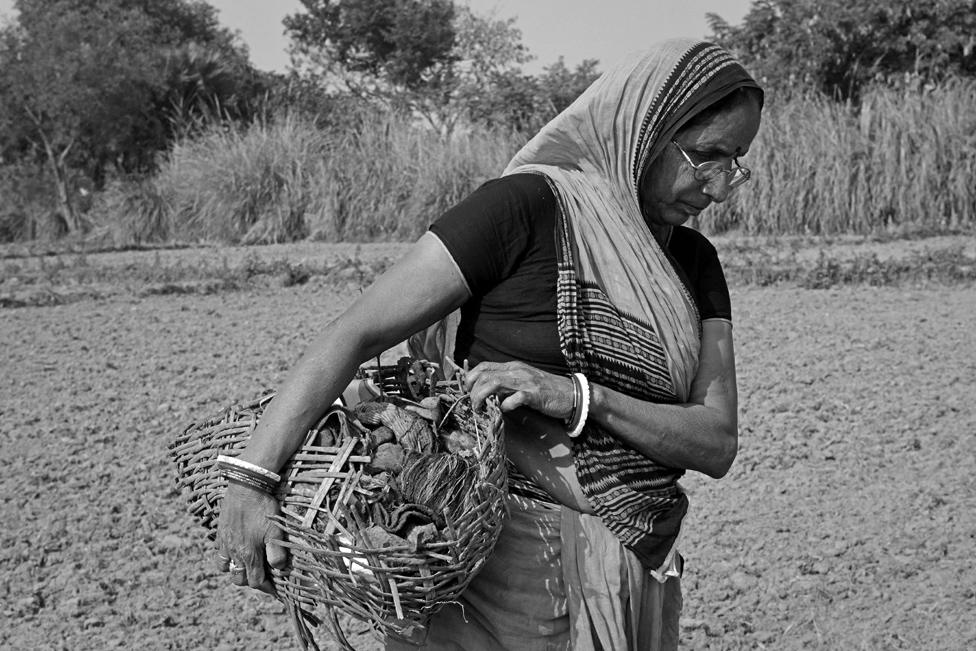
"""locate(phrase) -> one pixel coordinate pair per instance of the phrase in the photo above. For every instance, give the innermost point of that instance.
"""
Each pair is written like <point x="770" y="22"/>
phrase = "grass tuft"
<point x="286" y="180"/>
<point x="902" y="163"/>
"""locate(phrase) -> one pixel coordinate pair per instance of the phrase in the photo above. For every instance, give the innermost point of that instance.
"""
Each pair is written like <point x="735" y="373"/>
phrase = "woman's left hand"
<point x="519" y="385"/>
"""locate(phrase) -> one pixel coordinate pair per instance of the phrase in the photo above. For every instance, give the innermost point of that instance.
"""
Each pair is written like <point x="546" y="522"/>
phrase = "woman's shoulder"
<point x="526" y="188"/>
<point x="516" y="200"/>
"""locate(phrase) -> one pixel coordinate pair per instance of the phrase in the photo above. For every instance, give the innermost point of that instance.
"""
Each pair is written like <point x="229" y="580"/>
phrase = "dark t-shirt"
<point x="502" y="238"/>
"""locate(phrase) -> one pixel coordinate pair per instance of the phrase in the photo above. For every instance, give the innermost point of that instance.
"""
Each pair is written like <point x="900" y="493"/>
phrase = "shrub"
<point x="385" y="178"/>
<point x="904" y="162"/>
<point x="27" y="207"/>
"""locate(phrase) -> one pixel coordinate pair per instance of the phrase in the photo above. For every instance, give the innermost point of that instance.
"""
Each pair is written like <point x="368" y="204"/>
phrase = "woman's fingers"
<point x="489" y="378"/>
<point x="478" y="374"/>
<point x="488" y="383"/>
<point x="272" y="555"/>
<point x="519" y="385"/>
<point x="245" y="534"/>
<point x="276" y="554"/>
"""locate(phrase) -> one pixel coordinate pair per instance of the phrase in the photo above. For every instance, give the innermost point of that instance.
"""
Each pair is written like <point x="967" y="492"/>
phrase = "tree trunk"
<point x="62" y="191"/>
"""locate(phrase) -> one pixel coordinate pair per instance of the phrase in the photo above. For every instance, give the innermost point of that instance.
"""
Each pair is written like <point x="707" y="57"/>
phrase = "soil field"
<point x="847" y="522"/>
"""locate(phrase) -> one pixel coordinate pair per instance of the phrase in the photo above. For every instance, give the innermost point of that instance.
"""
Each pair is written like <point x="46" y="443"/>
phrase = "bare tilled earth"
<point x="847" y="522"/>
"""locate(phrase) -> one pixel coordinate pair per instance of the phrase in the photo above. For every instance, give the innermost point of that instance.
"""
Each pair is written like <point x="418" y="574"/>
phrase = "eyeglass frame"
<point x="730" y="174"/>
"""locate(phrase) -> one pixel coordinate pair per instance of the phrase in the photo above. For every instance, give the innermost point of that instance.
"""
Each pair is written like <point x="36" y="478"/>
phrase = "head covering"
<point x="593" y="154"/>
<point x="625" y="319"/>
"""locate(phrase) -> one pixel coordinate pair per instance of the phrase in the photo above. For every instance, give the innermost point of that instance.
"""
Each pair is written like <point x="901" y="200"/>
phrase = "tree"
<point x="428" y="57"/>
<point x="68" y="76"/>
<point x="398" y="43"/>
<point x="488" y="77"/>
<point x="527" y="102"/>
<point x="560" y="86"/>
<point x="838" y="46"/>
<point x="87" y="84"/>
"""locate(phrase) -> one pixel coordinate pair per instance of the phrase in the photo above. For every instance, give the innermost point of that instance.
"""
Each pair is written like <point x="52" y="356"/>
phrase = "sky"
<point x="575" y="29"/>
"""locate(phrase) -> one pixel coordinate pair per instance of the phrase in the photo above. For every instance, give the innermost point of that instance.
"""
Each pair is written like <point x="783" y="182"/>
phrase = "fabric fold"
<point x="625" y="318"/>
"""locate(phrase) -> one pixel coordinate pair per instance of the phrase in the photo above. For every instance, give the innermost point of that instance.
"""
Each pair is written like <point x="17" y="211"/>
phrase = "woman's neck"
<point x="661" y="233"/>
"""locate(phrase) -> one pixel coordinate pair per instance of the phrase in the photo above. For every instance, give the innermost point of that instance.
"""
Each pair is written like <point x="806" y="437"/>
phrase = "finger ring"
<point x="234" y="567"/>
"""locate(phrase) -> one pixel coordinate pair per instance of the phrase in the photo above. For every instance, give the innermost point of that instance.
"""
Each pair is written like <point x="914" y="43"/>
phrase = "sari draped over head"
<point x="624" y="317"/>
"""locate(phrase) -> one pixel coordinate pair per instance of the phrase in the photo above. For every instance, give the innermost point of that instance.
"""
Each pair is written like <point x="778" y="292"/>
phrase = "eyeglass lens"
<point x="710" y="170"/>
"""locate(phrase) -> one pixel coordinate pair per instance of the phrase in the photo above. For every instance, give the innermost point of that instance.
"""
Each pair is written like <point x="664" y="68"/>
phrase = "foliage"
<point x="386" y="49"/>
<point x="524" y="102"/>
<point x="88" y="85"/>
<point x="278" y="181"/>
<point x="839" y="46"/>
<point x="425" y="57"/>
<point x="903" y="162"/>
<point x="559" y="86"/>
<point x="397" y="41"/>
<point x="902" y="165"/>
<point x="23" y="187"/>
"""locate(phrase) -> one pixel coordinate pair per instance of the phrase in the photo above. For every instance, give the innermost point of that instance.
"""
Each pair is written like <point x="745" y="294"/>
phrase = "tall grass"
<point x="901" y="163"/>
<point x="904" y="162"/>
<point x="242" y="184"/>
<point x="276" y="181"/>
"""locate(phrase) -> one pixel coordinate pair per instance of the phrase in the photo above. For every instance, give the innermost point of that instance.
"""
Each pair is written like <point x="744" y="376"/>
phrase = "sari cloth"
<point x="624" y="317"/>
<point x="558" y="580"/>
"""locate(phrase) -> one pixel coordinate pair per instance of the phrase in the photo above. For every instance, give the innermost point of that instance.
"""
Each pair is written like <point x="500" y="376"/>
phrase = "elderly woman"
<point x="601" y="323"/>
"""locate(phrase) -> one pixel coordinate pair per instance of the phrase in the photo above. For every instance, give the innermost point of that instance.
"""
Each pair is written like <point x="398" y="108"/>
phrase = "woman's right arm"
<point x="418" y="290"/>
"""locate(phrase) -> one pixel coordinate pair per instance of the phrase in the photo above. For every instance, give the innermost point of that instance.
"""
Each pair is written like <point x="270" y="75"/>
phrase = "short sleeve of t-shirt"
<point x="698" y="259"/>
<point x="499" y="229"/>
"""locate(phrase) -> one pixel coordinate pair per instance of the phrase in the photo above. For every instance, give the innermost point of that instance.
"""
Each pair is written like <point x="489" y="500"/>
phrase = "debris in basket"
<point x="427" y="463"/>
<point x="388" y="457"/>
<point x="438" y="481"/>
<point x="428" y="408"/>
<point x="416" y="537"/>
<point x="459" y="442"/>
<point x="408" y="516"/>
<point x="379" y="436"/>
<point x="411" y="430"/>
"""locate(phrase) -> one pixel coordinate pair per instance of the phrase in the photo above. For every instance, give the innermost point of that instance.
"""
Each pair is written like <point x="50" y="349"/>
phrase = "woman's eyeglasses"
<point x="711" y="170"/>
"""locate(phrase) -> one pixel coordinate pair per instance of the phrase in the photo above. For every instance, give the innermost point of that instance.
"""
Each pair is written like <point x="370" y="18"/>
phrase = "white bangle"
<point x="246" y="465"/>
<point x="582" y="409"/>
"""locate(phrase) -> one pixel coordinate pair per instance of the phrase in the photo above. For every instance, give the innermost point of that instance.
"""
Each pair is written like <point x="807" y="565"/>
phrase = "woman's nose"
<point x="717" y="189"/>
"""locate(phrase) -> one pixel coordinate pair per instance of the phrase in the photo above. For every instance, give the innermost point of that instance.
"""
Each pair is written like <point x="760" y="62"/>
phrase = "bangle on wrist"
<point x="224" y="461"/>
<point x="581" y="405"/>
<point x="247" y="474"/>
<point x="256" y="482"/>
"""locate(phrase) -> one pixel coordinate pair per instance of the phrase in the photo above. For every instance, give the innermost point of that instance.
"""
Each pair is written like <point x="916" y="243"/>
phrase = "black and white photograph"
<point x="488" y="325"/>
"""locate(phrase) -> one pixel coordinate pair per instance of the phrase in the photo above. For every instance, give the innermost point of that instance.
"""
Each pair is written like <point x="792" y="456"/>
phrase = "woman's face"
<point x="670" y="194"/>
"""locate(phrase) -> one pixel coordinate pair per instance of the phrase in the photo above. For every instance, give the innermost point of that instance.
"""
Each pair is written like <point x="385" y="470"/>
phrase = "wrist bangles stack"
<point x="247" y="474"/>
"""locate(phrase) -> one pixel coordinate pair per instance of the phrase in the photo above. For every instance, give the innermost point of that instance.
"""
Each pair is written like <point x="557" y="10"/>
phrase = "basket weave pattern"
<point x="345" y="523"/>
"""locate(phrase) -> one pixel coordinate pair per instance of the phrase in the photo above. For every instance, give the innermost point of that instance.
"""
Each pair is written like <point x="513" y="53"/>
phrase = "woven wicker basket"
<point x="336" y="510"/>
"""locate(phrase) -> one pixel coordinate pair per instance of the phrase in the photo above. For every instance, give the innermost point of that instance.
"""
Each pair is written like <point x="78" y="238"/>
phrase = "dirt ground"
<point x="847" y="522"/>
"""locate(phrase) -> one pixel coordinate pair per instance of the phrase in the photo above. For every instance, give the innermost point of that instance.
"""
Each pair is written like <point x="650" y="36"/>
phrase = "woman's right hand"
<point x="247" y="539"/>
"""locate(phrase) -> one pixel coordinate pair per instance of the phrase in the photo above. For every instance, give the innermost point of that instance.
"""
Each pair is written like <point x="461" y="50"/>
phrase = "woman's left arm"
<point x="701" y="434"/>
